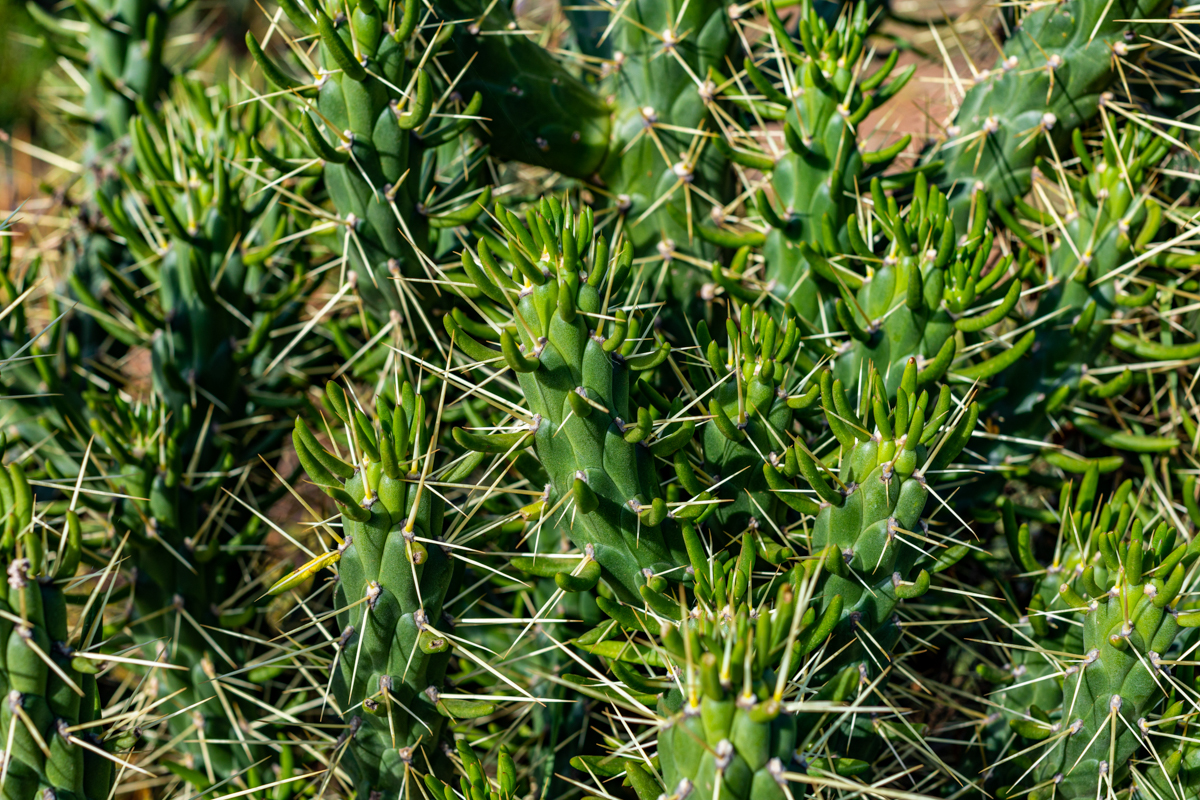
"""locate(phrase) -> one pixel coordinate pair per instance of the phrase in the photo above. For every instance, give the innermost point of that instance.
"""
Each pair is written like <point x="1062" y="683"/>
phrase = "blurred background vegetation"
<point x="22" y="60"/>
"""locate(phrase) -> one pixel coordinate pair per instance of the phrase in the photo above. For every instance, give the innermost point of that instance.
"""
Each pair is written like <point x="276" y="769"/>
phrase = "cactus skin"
<point x="1124" y="581"/>
<point x="1050" y="80"/>
<point x="575" y="372"/>
<point x="381" y="149"/>
<point x="652" y="92"/>
<point x="822" y="167"/>
<point x="33" y="619"/>
<point x="394" y="649"/>
<point x="1108" y="226"/>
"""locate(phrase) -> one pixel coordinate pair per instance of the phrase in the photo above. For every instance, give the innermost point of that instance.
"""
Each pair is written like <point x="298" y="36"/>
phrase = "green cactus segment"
<point x="576" y="354"/>
<point x="378" y="126"/>
<point x="731" y="737"/>
<point x="48" y="694"/>
<point x="928" y="297"/>
<point x="664" y="59"/>
<point x="118" y="49"/>
<point x="876" y="498"/>
<point x="744" y="385"/>
<point x="393" y="579"/>
<point x="1087" y="674"/>
<point x="822" y="101"/>
<point x="1050" y="80"/>
<point x="474" y="782"/>
<point x="1086" y="286"/>
<point x="536" y="110"/>
<point x="211" y="257"/>
<point x="726" y="727"/>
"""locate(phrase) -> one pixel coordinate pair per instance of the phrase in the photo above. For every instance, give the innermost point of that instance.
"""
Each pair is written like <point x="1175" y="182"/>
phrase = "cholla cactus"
<point x="211" y="255"/>
<point x="211" y="287"/>
<point x="741" y="671"/>
<point x="51" y="710"/>
<point x="119" y="47"/>
<point x="661" y="77"/>
<point x="822" y="101"/>
<point x="576" y="352"/>
<point x="752" y="397"/>
<point x="1051" y="79"/>
<point x="1090" y="233"/>
<point x="1089" y="682"/>
<point x="878" y="494"/>
<point x="375" y="129"/>
<point x="394" y="574"/>
<point x="928" y="296"/>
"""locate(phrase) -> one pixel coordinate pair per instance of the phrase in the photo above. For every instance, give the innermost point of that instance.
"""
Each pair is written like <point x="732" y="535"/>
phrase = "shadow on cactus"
<point x="1102" y="273"/>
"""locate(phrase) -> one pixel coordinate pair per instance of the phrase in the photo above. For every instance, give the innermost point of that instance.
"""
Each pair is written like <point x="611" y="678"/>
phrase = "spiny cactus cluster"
<point x="484" y="400"/>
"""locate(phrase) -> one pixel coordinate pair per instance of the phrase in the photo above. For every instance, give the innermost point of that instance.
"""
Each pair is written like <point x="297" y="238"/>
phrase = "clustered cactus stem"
<point x="1054" y="75"/>
<point x="1090" y="683"/>
<point x="602" y="493"/>
<point x="383" y="133"/>
<point x="394" y="574"/>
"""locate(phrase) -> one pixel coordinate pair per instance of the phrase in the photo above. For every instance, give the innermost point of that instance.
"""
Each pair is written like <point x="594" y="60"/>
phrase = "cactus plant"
<point x="575" y="352"/>
<point x="1051" y="79"/>
<point x="741" y="671"/>
<point x="1087" y="690"/>
<point x="52" y="711"/>
<point x="665" y="58"/>
<point x="392" y="181"/>
<point x="537" y="111"/>
<point x="210" y="289"/>
<point x="1091" y="235"/>
<point x="822" y="101"/>
<point x="395" y="573"/>
<point x="118" y="47"/>
<point x="928" y="297"/>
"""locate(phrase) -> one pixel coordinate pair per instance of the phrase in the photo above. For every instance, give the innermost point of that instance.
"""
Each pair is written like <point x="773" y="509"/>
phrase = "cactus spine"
<point x="203" y="301"/>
